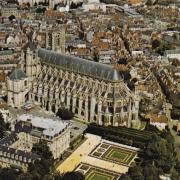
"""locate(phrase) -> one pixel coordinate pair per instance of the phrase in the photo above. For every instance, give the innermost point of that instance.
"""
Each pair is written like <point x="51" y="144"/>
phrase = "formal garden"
<point x="95" y="173"/>
<point x="113" y="153"/>
<point x="157" y="155"/>
<point x="119" y="155"/>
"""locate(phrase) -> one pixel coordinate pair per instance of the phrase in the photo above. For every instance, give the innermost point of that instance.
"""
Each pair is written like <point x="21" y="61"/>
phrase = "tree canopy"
<point x="70" y="176"/>
<point x="3" y="126"/>
<point x="41" y="167"/>
<point x="40" y="10"/>
<point x="9" y="173"/>
<point x="65" y="114"/>
<point x="11" y="17"/>
<point x="157" y="158"/>
<point x="42" y="149"/>
<point x="161" y="152"/>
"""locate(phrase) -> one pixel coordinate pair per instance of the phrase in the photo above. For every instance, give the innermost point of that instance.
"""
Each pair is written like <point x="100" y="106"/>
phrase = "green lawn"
<point x="98" y="174"/>
<point x="119" y="155"/>
<point x="98" y="177"/>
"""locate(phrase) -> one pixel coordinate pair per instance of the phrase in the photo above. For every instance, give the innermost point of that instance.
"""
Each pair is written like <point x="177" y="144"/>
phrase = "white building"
<point x="158" y="120"/>
<point x="33" y="129"/>
<point x="173" y="54"/>
<point x="94" y="5"/>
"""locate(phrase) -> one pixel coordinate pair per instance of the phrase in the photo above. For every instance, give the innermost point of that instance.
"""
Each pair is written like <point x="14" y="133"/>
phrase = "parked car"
<point x="28" y="106"/>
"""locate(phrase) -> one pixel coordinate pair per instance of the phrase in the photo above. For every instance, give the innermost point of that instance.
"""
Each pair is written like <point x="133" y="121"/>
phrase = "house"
<point x="158" y="120"/>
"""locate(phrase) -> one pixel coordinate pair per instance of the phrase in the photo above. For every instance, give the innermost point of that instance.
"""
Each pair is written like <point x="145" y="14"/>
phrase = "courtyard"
<point x="100" y="154"/>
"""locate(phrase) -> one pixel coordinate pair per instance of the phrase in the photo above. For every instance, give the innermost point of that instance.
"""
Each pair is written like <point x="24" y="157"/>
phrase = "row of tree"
<point x="158" y="158"/>
<point x="121" y="135"/>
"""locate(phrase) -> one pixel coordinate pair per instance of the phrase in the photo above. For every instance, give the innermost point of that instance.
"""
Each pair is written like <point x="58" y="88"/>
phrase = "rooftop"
<point x="50" y="127"/>
<point x="25" y="157"/>
<point x="174" y="51"/>
<point x="156" y="118"/>
<point x="17" y="74"/>
<point x="79" y="65"/>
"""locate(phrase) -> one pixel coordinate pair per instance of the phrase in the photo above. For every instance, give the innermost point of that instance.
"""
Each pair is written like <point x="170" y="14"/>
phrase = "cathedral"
<point x="94" y="92"/>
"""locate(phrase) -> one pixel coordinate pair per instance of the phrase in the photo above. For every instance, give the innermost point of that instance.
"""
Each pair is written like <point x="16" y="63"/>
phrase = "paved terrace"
<point x="81" y="155"/>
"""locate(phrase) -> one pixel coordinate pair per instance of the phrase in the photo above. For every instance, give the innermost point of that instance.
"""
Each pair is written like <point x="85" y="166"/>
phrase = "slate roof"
<point x="8" y="140"/>
<point x="8" y="152"/>
<point x="30" y="45"/>
<point x="174" y="51"/>
<point x="17" y="74"/>
<point x="79" y="65"/>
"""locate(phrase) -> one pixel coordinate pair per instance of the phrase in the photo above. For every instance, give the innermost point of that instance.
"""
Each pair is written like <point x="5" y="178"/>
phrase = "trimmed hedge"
<point x="122" y="135"/>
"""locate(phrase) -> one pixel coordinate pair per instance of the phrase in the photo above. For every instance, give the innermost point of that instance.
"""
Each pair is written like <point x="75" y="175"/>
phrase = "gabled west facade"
<point x="93" y="91"/>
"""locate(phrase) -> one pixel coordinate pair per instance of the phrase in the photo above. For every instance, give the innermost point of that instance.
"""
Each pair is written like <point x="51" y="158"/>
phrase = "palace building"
<point x="27" y="130"/>
<point x="94" y="92"/>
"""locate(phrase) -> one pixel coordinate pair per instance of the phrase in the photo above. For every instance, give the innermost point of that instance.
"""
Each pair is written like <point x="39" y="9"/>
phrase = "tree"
<point x="156" y="43"/>
<point x="175" y="175"/>
<point x="72" y="175"/>
<point x="3" y="126"/>
<point x="157" y="158"/>
<point x="12" y="17"/>
<point x="122" y="61"/>
<point x="149" y="2"/>
<point x="42" y="166"/>
<point x="40" y="10"/>
<point x="96" y="55"/>
<point x="65" y="114"/>
<point x="151" y="172"/>
<point x="49" y="177"/>
<point x="125" y="177"/>
<point x="42" y="149"/>
<point x="177" y="166"/>
<point x="136" y="173"/>
<point x="81" y="35"/>
<point x="161" y="152"/>
<point x="9" y="173"/>
<point x="25" y="176"/>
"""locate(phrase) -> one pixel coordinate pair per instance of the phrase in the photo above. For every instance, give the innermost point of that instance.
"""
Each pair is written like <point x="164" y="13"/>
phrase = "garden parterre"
<point x="96" y="173"/>
<point x="114" y="153"/>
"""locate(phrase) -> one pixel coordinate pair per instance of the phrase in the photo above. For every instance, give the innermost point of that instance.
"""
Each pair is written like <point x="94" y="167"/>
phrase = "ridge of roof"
<point x="79" y="65"/>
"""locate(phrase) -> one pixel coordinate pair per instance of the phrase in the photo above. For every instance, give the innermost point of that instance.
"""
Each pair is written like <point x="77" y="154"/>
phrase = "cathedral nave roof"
<point x="79" y="65"/>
